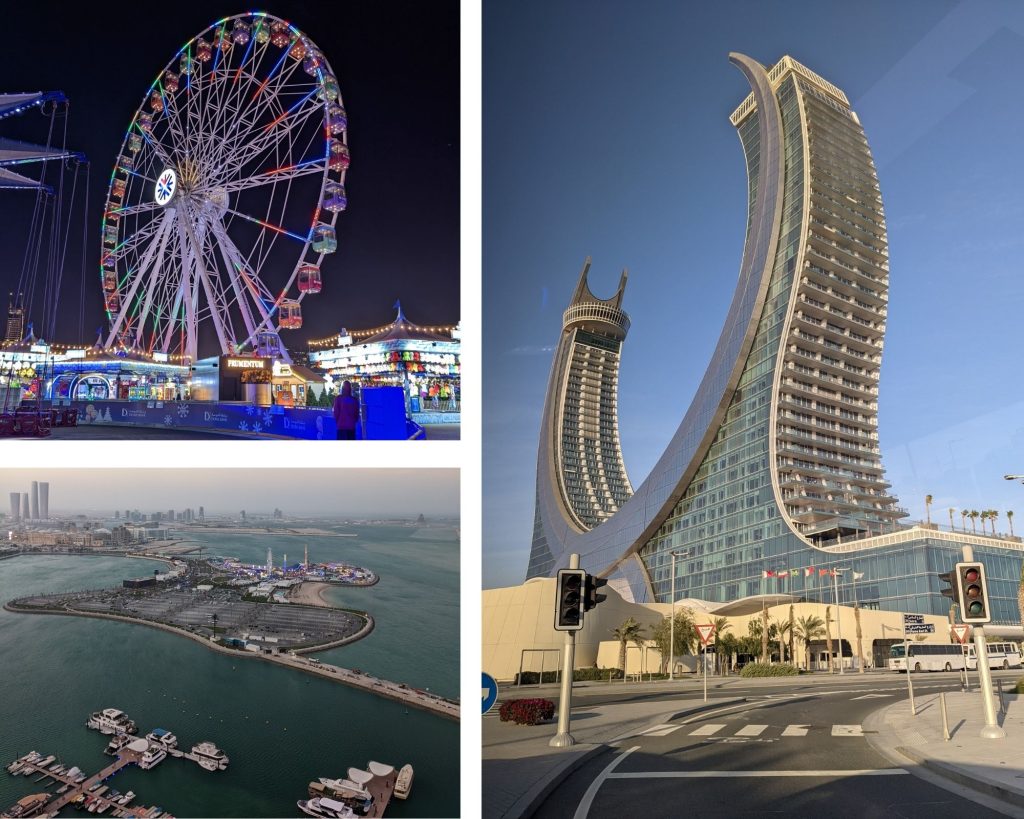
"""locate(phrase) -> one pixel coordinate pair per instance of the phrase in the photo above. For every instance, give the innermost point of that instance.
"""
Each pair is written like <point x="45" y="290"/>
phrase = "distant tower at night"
<point x="15" y="323"/>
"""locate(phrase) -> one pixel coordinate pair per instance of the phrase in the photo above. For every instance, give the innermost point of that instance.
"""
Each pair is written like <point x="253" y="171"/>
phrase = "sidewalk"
<point x="519" y="767"/>
<point x="994" y="767"/>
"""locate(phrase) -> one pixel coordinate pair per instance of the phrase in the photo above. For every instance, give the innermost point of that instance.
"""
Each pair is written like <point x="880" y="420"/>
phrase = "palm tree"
<point x="928" y="508"/>
<point x="993" y="515"/>
<point x="792" y="653"/>
<point x="781" y="630"/>
<point x="983" y="514"/>
<point x="951" y="527"/>
<point x="764" y="635"/>
<point x="721" y="625"/>
<point x="629" y="632"/>
<point x="808" y="629"/>
<point x="963" y="519"/>
<point x="1009" y="519"/>
<point x="973" y="515"/>
<point x="860" y="649"/>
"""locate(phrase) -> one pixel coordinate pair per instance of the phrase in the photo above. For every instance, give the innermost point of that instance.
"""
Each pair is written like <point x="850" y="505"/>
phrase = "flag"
<point x="809" y="572"/>
<point x="822" y="572"/>
<point x="858" y="575"/>
<point x="783" y="574"/>
<point x="767" y="574"/>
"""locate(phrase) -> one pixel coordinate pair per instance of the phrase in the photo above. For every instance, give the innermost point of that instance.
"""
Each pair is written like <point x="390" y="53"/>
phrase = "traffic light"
<point x="971" y="587"/>
<point x="590" y="596"/>
<point x="569" y="602"/>
<point x="952" y="592"/>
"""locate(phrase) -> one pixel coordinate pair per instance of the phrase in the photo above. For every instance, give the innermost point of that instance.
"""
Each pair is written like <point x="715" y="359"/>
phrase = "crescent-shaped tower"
<point x="775" y="468"/>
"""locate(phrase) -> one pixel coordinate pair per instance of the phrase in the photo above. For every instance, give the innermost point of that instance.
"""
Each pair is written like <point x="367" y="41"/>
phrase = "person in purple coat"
<point x="346" y="413"/>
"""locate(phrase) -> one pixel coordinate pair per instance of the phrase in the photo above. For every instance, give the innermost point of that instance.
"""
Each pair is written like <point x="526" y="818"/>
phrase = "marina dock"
<point x="74" y="791"/>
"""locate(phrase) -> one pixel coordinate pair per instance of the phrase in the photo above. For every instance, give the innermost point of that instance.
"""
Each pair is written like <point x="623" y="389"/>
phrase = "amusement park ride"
<point x="221" y="205"/>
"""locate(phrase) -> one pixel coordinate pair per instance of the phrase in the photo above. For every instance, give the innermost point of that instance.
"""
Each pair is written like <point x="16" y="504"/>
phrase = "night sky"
<point x="397" y="65"/>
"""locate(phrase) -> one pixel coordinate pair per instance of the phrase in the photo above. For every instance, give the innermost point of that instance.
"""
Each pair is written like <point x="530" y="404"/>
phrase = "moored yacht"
<point x="162" y="737"/>
<point x="404" y="782"/>
<point x="152" y="757"/>
<point x="28" y="805"/>
<point x="110" y="721"/>
<point x="209" y="756"/>
<point x="322" y="806"/>
<point x="117" y="742"/>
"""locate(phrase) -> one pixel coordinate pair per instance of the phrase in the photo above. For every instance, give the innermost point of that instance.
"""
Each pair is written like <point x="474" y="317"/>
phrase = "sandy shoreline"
<point x="310" y="593"/>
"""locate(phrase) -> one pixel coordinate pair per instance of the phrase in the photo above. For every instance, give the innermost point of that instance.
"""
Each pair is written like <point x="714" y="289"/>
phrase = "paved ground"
<point x="797" y="747"/>
<point x="434" y="432"/>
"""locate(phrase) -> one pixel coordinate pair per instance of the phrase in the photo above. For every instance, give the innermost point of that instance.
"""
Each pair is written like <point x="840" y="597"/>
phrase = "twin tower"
<point x="34" y="506"/>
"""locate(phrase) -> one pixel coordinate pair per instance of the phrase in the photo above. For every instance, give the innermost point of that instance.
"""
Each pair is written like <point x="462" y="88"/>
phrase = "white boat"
<point x="72" y="772"/>
<point x="128" y="797"/>
<point x="117" y="742"/>
<point x="325" y="807"/>
<point x="42" y="763"/>
<point x="404" y="782"/>
<point x="209" y="756"/>
<point x="56" y="769"/>
<point x="152" y="757"/>
<point x="345" y="788"/>
<point x="163" y="738"/>
<point x="110" y="721"/>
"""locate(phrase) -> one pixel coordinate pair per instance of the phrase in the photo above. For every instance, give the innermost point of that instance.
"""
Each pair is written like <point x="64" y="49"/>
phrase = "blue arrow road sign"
<point x="488" y="692"/>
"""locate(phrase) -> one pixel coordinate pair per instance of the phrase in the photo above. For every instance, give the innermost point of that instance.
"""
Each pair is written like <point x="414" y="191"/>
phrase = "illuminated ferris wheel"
<point x="207" y="235"/>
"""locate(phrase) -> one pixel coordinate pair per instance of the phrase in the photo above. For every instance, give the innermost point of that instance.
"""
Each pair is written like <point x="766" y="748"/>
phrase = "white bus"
<point x="1000" y="655"/>
<point x="927" y="657"/>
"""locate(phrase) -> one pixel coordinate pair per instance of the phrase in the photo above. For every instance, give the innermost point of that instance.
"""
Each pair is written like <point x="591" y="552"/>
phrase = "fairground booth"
<point x="423" y="360"/>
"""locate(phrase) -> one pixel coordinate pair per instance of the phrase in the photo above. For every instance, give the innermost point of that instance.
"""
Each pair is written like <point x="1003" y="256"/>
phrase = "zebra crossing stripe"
<point x="847" y="731"/>
<point x="661" y="730"/>
<point x="751" y="730"/>
<point x="708" y="730"/>
<point x="795" y="731"/>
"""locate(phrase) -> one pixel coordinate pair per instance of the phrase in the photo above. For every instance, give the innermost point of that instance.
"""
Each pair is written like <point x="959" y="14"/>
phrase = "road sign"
<point x="488" y="692"/>
<point x="705" y="631"/>
<point x="918" y="628"/>
<point x="960" y="632"/>
<point x="909" y="619"/>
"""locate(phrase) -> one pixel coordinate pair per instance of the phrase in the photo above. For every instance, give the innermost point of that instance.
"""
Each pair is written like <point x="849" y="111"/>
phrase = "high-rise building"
<point x="170" y="515"/>
<point x="775" y="472"/>
<point x="15" y="506"/>
<point x="117" y="515"/>
<point x="243" y="516"/>
<point x="202" y="514"/>
<point x="26" y="509"/>
<point x="44" y="500"/>
<point x="34" y="500"/>
<point x="15" y="330"/>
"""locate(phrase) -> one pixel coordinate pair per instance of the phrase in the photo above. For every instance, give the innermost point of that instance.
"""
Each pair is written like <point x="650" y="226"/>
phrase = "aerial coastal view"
<point x="257" y="648"/>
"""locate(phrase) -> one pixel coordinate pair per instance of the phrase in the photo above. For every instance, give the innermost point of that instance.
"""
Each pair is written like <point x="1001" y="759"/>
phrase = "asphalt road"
<point x="796" y="750"/>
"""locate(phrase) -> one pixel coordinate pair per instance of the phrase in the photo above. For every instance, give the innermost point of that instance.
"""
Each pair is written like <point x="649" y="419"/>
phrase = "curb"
<point x="976" y="782"/>
<point x="527" y="804"/>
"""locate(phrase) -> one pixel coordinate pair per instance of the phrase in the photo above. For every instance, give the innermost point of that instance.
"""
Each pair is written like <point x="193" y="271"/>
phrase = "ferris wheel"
<point x="207" y="237"/>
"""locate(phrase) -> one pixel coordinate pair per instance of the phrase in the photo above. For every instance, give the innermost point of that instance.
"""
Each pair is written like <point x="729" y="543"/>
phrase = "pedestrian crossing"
<point x="719" y="730"/>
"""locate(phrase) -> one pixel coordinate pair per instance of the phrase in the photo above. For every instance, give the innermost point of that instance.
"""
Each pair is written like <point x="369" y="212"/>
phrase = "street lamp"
<point x="672" y="625"/>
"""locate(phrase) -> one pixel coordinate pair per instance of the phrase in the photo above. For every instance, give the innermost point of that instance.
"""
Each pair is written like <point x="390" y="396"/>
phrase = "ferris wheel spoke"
<point x="203" y="275"/>
<point x="261" y="149"/>
<point x="245" y="283"/>
<point x="154" y="283"/>
<point x="132" y="210"/>
<point x="139" y="276"/>
<point x="308" y="168"/>
<point x="129" y="244"/>
<point x="276" y="228"/>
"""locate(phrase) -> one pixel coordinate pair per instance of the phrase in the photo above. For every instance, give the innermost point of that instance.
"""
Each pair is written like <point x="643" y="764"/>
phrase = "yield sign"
<point x="960" y="632"/>
<point x="705" y="632"/>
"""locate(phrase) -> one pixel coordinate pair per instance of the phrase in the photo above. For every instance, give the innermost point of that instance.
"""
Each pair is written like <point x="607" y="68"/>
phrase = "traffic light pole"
<point x="992" y="730"/>
<point x="563" y="739"/>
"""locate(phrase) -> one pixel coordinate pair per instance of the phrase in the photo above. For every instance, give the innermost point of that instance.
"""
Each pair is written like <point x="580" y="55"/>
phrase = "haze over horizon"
<point x="359" y="493"/>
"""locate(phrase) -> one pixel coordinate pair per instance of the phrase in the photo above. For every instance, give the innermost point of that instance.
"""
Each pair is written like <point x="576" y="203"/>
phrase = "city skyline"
<point x="956" y="448"/>
<point x="355" y="493"/>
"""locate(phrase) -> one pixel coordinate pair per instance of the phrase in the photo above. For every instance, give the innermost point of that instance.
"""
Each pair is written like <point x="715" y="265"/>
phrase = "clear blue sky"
<point x="606" y="133"/>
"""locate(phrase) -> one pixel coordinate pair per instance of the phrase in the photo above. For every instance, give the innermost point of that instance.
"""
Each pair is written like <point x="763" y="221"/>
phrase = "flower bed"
<point x="527" y="712"/>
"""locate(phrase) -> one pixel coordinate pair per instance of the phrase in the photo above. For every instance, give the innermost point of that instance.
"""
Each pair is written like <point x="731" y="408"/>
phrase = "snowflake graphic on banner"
<point x="249" y="410"/>
<point x="183" y="410"/>
<point x="267" y="418"/>
<point x="168" y="420"/>
<point x="243" y="425"/>
<point x="257" y="426"/>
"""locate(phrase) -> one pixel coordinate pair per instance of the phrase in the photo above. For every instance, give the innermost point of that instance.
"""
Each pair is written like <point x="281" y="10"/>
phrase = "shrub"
<point x="533" y="677"/>
<point x="527" y="712"/>
<point x="596" y="674"/>
<point x="1020" y="687"/>
<point x="768" y="670"/>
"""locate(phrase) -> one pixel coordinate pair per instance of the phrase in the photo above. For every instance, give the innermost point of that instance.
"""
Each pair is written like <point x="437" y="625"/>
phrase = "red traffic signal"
<point x="973" y="593"/>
